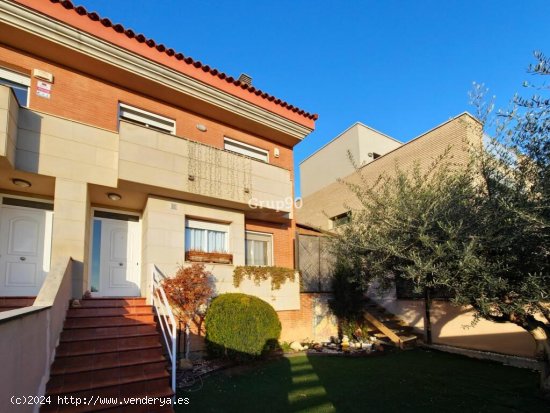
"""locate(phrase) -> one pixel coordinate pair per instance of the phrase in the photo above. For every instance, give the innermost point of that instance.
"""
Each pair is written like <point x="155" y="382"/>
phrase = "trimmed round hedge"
<point x="241" y="326"/>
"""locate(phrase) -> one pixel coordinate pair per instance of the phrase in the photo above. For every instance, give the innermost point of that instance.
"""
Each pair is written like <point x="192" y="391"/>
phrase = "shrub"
<point x="241" y="326"/>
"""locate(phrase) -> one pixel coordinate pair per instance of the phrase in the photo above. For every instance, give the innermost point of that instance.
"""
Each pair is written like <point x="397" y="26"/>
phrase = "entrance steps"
<point x="109" y="348"/>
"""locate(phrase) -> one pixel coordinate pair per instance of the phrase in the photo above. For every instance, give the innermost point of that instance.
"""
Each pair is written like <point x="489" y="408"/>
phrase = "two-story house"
<point x="120" y="157"/>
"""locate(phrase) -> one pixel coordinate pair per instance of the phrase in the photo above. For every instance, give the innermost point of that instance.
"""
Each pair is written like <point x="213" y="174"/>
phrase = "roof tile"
<point x="119" y="28"/>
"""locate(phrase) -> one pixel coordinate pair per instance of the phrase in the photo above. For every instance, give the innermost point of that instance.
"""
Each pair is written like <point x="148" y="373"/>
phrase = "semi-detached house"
<point x="118" y="157"/>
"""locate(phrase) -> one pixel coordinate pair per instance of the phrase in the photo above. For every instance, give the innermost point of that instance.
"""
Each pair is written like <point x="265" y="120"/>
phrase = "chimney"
<point x="244" y="78"/>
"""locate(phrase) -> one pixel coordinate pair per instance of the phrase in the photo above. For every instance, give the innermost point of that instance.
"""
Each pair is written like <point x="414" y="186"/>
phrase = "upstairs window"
<point x="259" y="248"/>
<point x="18" y="83"/>
<point x="206" y="236"/>
<point x="147" y="119"/>
<point x="246" y="149"/>
<point x="340" y="219"/>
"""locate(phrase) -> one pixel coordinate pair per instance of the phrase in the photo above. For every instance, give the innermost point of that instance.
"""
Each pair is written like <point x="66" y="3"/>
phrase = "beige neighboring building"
<point x="327" y="207"/>
<point x="332" y="161"/>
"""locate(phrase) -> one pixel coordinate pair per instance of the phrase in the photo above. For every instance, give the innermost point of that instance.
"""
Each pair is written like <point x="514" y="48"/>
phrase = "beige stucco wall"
<point x="9" y="113"/>
<point x="54" y="146"/>
<point x="28" y="339"/>
<point x="70" y="232"/>
<point x="163" y="244"/>
<point x="332" y="162"/>
<point x="453" y="326"/>
<point x="335" y="198"/>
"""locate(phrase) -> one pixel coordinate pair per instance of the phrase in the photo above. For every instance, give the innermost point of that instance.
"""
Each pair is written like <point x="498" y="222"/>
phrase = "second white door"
<point x="119" y="258"/>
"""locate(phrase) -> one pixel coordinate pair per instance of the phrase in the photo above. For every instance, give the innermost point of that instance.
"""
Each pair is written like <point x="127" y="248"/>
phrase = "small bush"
<point x="241" y="327"/>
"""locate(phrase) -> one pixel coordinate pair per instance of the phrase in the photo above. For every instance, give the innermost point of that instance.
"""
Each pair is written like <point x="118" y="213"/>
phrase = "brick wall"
<point x="308" y="322"/>
<point x="80" y="97"/>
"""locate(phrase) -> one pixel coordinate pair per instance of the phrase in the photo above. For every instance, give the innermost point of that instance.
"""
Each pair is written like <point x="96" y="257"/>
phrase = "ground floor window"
<point x="259" y="248"/>
<point x="206" y="236"/>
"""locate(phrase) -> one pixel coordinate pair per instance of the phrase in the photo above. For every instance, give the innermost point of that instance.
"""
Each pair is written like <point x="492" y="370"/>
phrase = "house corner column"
<point x="70" y="230"/>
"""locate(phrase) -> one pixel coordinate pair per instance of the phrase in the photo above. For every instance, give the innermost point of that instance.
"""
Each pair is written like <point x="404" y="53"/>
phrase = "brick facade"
<point x="311" y="322"/>
<point x="93" y="101"/>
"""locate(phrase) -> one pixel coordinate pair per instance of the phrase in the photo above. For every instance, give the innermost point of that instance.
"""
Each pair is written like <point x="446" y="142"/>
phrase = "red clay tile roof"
<point x="162" y="49"/>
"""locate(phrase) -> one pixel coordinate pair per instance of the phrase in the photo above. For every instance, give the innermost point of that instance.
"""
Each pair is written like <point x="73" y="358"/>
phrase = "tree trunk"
<point x="541" y="334"/>
<point x="427" y="316"/>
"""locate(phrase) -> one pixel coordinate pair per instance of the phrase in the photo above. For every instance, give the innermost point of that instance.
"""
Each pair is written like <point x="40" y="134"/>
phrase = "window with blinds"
<point x="206" y="236"/>
<point x="246" y="149"/>
<point x="147" y="119"/>
<point x="259" y="248"/>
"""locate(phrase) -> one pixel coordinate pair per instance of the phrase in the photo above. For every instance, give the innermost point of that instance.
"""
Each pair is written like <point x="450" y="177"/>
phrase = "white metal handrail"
<point x="166" y="319"/>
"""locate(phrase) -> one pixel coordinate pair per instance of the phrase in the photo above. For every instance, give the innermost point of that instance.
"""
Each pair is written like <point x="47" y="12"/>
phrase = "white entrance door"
<point x="119" y="269"/>
<point x="24" y="250"/>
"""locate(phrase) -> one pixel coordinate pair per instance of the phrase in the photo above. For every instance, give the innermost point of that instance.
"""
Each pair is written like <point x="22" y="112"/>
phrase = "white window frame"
<point x="146" y="118"/>
<point x="20" y="79"/>
<point x="245" y="149"/>
<point x="207" y="225"/>
<point x="270" y="253"/>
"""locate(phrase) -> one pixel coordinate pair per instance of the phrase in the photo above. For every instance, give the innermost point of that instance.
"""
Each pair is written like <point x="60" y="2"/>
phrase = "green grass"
<point x="411" y="381"/>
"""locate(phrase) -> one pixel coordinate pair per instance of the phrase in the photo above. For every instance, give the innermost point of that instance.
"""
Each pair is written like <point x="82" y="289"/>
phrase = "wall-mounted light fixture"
<point x="114" y="197"/>
<point x="21" y="183"/>
<point x="201" y="127"/>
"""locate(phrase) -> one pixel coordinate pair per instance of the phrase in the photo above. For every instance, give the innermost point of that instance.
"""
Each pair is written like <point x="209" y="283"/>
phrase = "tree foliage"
<point x="188" y="292"/>
<point x="481" y="230"/>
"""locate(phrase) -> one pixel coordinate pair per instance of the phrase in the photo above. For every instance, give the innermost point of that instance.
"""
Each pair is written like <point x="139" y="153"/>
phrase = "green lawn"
<point x="410" y="381"/>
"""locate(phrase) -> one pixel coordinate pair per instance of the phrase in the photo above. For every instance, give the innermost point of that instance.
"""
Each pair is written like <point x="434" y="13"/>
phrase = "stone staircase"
<point x="13" y="303"/>
<point x="389" y="328"/>
<point x="109" y="348"/>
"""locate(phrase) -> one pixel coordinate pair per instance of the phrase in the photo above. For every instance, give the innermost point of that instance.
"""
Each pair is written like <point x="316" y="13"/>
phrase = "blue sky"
<point x="401" y="67"/>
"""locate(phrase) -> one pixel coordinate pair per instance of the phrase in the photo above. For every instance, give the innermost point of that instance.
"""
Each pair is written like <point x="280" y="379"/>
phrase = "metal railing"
<point x="166" y="319"/>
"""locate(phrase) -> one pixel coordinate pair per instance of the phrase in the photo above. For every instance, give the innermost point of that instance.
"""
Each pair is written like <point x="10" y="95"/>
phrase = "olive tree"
<point x="480" y="230"/>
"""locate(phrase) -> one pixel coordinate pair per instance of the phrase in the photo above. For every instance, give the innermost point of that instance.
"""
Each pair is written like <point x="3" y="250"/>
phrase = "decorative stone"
<point x="296" y="346"/>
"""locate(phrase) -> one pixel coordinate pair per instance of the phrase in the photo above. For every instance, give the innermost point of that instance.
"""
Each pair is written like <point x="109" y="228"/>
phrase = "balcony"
<point x="166" y="161"/>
